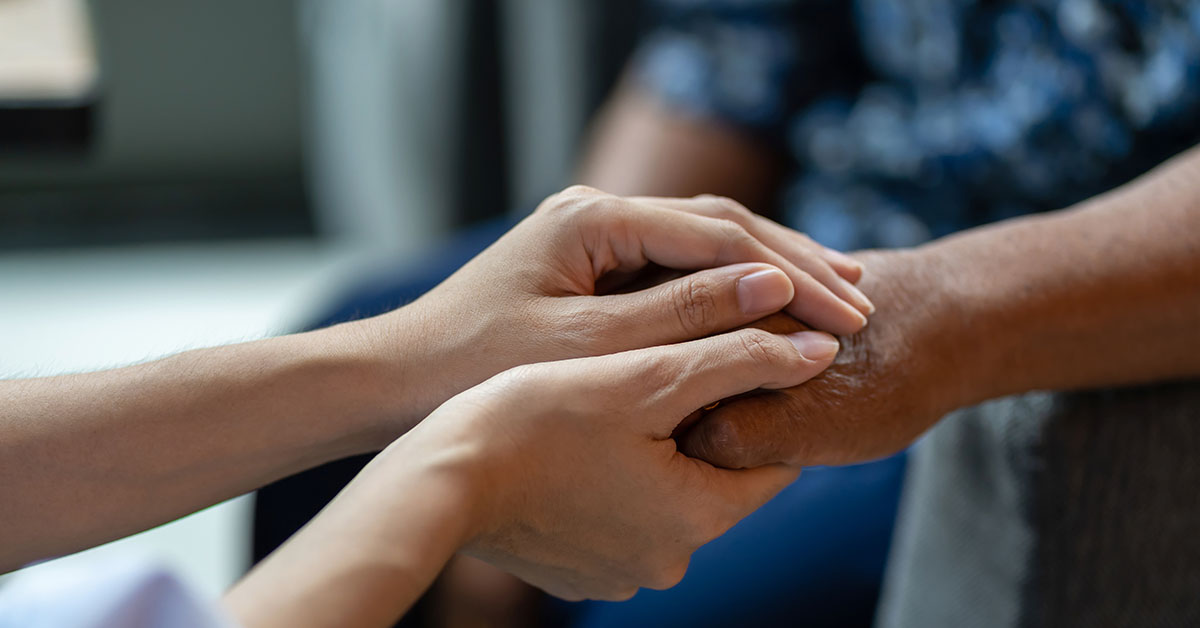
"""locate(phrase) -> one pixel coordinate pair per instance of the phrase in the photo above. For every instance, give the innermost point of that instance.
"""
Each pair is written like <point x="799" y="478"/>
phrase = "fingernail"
<point x="814" y="345"/>
<point x="860" y="300"/>
<point x="764" y="291"/>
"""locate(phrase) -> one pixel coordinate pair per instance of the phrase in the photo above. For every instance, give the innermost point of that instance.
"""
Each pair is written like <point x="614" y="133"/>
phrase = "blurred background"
<point x="184" y="174"/>
<point x="195" y="172"/>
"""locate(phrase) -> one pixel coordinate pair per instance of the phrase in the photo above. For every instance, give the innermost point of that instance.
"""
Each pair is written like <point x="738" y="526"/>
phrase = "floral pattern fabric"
<point x="911" y="119"/>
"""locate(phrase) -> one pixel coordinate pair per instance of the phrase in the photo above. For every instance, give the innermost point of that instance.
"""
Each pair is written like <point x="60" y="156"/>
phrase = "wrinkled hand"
<point x="582" y="491"/>
<point x="889" y="384"/>
<point x="551" y="288"/>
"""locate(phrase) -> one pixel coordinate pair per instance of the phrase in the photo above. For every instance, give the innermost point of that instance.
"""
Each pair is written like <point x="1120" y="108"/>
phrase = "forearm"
<point x="93" y="457"/>
<point x="1104" y="294"/>
<point x="372" y="552"/>
<point x="639" y="146"/>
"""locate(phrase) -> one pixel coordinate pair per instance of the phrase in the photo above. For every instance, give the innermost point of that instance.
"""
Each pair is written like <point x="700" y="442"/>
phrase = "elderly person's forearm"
<point x="1104" y="294"/>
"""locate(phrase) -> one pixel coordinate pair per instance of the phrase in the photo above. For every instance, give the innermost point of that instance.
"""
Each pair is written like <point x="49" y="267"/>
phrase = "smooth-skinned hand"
<point x="550" y="288"/>
<point x="581" y="489"/>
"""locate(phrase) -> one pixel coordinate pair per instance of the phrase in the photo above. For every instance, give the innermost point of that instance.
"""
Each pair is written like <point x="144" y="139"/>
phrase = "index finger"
<point x="684" y="240"/>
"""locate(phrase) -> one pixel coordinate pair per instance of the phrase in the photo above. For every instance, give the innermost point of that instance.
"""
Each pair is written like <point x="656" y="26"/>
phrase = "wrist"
<point x="369" y="373"/>
<point x="400" y="366"/>
<point x="367" y="557"/>
<point x="440" y="464"/>
<point x="979" y="324"/>
<point x="923" y="318"/>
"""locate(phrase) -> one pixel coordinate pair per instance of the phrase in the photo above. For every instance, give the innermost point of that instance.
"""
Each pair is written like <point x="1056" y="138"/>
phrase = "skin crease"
<point x="639" y="146"/>
<point x="1059" y="301"/>
<point x="482" y="341"/>
<point x="874" y="386"/>
<point x="1095" y="296"/>
<point x="563" y="473"/>
<point x="1043" y="302"/>
<point x="119" y="451"/>
<point x="497" y="469"/>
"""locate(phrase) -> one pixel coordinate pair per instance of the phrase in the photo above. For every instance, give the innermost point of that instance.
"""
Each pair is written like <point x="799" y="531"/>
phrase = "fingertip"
<point x="849" y="268"/>
<point x="836" y="317"/>
<point x="858" y="321"/>
<point x="859" y="300"/>
<point x="764" y="291"/>
<point x="820" y="307"/>
<point x="815" y="346"/>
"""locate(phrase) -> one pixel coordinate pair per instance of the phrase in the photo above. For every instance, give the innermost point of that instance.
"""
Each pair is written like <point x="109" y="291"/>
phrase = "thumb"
<point x="675" y="380"/>
<point x="699" y="304"/>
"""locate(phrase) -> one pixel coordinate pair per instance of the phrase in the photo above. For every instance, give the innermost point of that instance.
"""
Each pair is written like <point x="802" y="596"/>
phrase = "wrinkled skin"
<point x="889" y="383"/>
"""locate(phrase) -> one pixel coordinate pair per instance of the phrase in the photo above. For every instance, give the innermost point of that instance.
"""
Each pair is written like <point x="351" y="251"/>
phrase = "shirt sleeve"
<point x="129" y="594"/>
<point x="750" y="63"/>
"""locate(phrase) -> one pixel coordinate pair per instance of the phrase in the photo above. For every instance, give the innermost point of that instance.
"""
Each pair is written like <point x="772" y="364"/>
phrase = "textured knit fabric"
<point x="1067" y="509"/>
<point x="910" y="119"/>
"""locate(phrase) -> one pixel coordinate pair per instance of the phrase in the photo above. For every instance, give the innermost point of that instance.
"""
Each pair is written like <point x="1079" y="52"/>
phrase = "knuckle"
<point x="581" y="190"/>
<point x="728" y="208"/>
<point x="762" y="347"/>
<point x="518" y="380"/>
<point x="580" y="328"/>
<point x="719" y="442"/>
<point x="577" y="202"/>
<point x="695" y="305"/>
<point x="656" y="373"/>
<point x="733" y="231"/>
<point x="736" y="241"/>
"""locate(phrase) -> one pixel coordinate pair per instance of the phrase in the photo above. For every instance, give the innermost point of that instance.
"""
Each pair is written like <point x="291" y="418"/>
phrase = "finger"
<point x="696" y="305"/>
<point x="746" y="490"/>
<point x="667" y="383"/>
<point x="834" y="270"/>
<point x="739" y="491"/>
<point x="848" y="267"/>
<point x="754" y="431"/>
<point x="683" y="240"/>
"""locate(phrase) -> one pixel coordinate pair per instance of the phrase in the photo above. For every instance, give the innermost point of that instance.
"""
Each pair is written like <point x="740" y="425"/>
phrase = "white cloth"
<point x="126" y="594"/>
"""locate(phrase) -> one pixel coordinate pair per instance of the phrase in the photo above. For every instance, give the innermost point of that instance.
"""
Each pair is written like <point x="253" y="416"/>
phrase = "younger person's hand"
<point x="563" y="473"/>
<point x="543" y="291"/>
<point x="581" y="490"/>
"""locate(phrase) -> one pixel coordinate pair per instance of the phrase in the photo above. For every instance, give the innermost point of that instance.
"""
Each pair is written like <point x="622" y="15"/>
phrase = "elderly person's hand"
<point x="1098" y="295"/>
<point x="890" y="383"/>
<point x="151" y="442"/>
<point x="547" y="289"/>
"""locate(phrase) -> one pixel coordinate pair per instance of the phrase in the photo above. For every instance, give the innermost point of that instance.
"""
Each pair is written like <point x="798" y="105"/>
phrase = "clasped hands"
<point x="565" y="394"/>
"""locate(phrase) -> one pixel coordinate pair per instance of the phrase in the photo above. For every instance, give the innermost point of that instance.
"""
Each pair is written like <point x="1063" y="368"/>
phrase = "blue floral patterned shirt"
<point x="911" y="119"/>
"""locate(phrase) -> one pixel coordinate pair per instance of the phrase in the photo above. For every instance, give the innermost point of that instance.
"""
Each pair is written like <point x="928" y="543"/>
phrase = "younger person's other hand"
<point x="543" y="291"/>
<point x="581" y="490"/>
